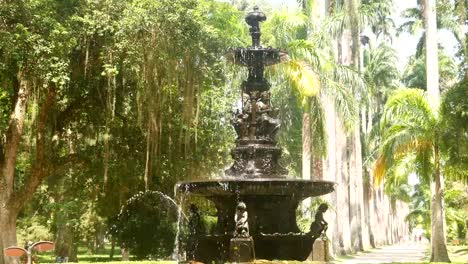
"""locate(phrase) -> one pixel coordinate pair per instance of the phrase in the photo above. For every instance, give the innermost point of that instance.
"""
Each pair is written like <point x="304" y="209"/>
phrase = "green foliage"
<point x="454" y="136"/>
<point x="420" y="215"/>
<point x="139" y="86"/>
<point x="313" y="75"/>
<point x="145" y="225"/>
<point x="381" y="72"/>
<point x="456" y="200"/>
<point x="415" y="72"/>
<point x="455" y="197"/>
<point x="33" y="229"/>
<point x="407" y="128"/>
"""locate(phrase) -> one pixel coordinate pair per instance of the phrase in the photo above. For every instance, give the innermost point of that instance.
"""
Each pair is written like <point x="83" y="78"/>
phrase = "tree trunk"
<point x="356" y="199"/>
<point x="112" y="250"/>
<point x="432" y="66"/>
<point x="64" y="241"/>
<point x="438" y="240"/>
<point x="330" y="173"/>
<point x="366" y="230"/>
<point x="355" y="192"/>
<point x="306" y="157"/>
<point x="8" y="212"/>
<point x="371" y="214"/>
<point x="342" y="190"/>
<point x="7" y="234"/>
<point x="125" y="253"/>
<point x="306" y="148"/>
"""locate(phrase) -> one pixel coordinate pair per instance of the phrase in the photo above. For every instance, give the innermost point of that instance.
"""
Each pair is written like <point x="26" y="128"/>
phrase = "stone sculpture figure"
<point x="268" y="125"/>
<point x="240" y="124"/>
<point x="319" y="226"/>
<point x="242" y="225"/>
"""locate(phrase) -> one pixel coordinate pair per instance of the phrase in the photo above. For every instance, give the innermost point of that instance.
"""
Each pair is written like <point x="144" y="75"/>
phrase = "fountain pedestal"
<point x="320" y="250"/>
<point x="241" y="249"/>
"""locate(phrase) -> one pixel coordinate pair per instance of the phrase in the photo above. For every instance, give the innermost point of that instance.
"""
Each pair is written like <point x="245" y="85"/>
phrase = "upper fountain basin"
<point x="256" y="56"/>
<point x="298" y="188"/>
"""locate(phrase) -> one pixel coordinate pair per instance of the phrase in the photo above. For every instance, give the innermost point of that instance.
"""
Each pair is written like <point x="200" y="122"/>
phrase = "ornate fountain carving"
<point x="256" y="123"/>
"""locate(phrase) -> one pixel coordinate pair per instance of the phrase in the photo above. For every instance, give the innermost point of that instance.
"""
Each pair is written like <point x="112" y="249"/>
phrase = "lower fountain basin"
<point x="271" y="206"/>
<point x="269" y="247"/>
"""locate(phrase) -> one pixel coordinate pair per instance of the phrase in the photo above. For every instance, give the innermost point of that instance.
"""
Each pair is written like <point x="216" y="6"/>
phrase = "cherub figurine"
<point x="319" y="226"/>
<point x="242" y="225"/>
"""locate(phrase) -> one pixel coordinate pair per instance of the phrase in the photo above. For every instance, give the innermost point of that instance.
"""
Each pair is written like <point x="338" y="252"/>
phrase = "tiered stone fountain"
<point x="256" y="178"/>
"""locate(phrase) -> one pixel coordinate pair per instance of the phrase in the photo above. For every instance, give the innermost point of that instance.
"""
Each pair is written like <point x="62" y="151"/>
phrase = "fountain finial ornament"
<point x="253" y="19"/>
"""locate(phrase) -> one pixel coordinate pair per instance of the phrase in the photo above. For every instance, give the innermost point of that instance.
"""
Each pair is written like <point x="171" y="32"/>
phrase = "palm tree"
<point x="438" y="241"/>
<point x="319" y="83"/>
<point x="346" y="23"/>
<point x="312" y="72"/>
<point x="452" y="15"/>
<point x="410" y="129"/>
<point x="455" y="121"/>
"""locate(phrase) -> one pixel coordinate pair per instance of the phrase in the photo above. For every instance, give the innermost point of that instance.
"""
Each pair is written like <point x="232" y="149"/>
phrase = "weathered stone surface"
<point x="241" y="250"/>
<point x="320" y="250"/>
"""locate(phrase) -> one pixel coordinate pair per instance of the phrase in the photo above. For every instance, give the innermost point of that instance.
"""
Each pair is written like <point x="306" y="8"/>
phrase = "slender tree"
<point x="438" y="241"/>
<point x="411" y="129"/>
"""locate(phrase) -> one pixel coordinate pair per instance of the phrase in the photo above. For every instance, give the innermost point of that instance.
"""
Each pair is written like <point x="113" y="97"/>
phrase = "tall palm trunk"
<point x="306" y="157"/>
<point x="342" y="190"/>
<point x="306" y="147"/>
<point x="342" y="170"/>
<point x="329" y="173"/>
<point x="432" y="67"/>
<point x="356" y="191"/>
<point x="438" y="241"/>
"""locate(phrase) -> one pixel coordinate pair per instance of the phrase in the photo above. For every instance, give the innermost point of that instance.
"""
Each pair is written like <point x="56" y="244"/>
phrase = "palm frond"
<point x="302" y="77"/>
<point x="306" y="50"/>
<point x="317" y="126"/>
<point x="381" y="70"/>
<point x="344" y="99"/>
<point x="408" y="130"/>
<point x="283" y="27"/>
<point x="408" y="104"/>
<point x="380" y="168"/>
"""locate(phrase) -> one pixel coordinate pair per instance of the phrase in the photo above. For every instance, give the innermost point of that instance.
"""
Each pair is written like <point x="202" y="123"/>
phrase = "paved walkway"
<point x="395" y="253"/>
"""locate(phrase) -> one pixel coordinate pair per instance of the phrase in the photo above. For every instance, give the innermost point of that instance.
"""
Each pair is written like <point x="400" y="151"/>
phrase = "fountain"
<point x="256" y="178"/>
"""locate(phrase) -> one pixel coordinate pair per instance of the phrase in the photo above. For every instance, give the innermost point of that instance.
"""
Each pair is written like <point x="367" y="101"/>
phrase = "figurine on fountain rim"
<point x="242" y="225"/>
<point x="319" y="226"/>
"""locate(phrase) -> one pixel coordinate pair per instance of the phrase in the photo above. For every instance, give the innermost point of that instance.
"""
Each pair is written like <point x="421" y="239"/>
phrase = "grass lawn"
<point x="84" y="256"/>
<point x="458" y="255"/>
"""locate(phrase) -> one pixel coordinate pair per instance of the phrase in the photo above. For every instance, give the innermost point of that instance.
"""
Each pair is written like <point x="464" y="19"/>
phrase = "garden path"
<point x="405" y="252"/>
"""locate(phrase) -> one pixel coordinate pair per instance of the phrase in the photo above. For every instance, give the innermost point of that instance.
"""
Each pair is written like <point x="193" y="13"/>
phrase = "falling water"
<point x="224" y="185"/>
<point x="168" y="198"/>
<point x="177" y="253"/>
<point x="161" y="194"/>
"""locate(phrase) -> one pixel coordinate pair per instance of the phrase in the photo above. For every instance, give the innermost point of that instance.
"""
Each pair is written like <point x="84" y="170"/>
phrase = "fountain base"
<point x="271" y="206"/>
<point x="241" y="250"/>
